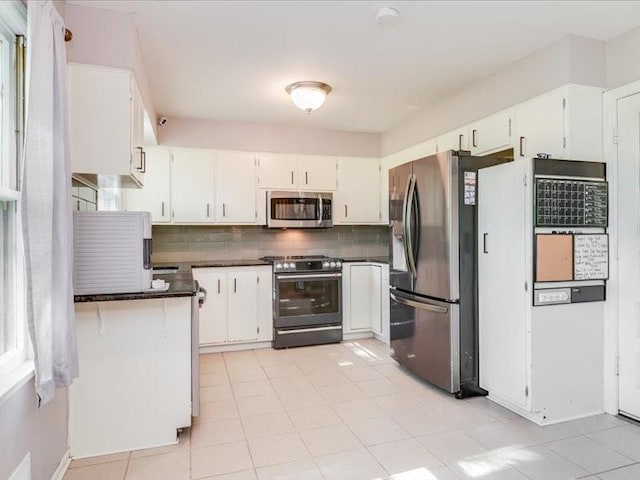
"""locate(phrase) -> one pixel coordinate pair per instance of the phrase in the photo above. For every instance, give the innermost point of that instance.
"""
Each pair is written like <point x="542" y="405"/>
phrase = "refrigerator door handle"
<point x="407" y="226"/>
<point x="423" y="306"/>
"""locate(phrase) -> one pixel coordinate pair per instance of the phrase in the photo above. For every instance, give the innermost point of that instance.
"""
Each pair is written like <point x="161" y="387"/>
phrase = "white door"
<point x="243" y="305"/>
<point x="491" y="134"/>
<point x="213" y="314"/>
<point x="155" y="196"/>
<point x="277" y="170"/>
<point x="192" y="186"/>
<point x="137" y="133"/>
<point x="235" y="187"/>
<point x="502" y="298"/>
<point x="317" y="172"/>
<point x="629" y="253"/>
<point x="358" y="197"/>
<point x="540" y="126"/>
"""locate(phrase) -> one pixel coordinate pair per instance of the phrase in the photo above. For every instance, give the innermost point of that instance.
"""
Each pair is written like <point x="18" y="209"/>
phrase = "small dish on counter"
<point x="163" y="288"/>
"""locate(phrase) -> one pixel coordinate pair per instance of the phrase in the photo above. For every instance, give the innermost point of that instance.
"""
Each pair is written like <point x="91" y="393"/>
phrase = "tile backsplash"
<point x="172" y="243"/>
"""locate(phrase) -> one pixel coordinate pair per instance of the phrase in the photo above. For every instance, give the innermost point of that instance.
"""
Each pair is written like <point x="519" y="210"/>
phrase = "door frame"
<point x="611" y="307"/>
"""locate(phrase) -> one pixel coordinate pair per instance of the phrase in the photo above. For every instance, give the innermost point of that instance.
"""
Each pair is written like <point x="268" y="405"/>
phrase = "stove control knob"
<point x="325" y="265"/>
<point x="285" y="265"/>
<point x="338" y="264"/>
<point x="278" y="266"/>
<point x="332" y="264"/>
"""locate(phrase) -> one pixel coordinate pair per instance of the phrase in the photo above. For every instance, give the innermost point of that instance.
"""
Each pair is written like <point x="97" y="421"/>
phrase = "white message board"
<point x="591" y="256"/>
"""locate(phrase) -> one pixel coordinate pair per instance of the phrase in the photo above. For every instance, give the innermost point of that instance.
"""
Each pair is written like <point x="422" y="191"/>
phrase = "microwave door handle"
<point x="320" y="206"/>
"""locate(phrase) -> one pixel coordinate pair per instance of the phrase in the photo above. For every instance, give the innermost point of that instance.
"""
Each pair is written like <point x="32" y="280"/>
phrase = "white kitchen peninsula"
<point x="134" y="389"/>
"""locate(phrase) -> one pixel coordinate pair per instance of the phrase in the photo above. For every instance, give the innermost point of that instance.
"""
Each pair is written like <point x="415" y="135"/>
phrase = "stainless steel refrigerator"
<point x="433" y="268"/>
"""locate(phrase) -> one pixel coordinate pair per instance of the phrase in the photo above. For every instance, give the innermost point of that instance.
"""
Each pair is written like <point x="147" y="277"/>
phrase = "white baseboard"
<point x="232" y="347"/>
<point x="356" y="335"/>
<point x="62" y="467"/>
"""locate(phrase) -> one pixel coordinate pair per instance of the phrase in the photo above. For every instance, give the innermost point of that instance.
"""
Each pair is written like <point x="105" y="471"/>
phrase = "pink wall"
<point x="256" y="137"/>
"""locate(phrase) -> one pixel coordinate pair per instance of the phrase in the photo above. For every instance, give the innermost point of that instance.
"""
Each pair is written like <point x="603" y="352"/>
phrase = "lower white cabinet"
<point x="365" y="298"/>
<point x="238" y="304"/>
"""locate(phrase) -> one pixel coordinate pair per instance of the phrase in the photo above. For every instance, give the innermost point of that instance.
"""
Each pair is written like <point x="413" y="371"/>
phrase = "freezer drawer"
<point x="425" y="338"/>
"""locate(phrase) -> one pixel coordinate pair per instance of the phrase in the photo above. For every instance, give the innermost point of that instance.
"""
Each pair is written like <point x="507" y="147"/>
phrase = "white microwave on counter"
<point x="111" y="252"/>
<point x="299" y="209"/>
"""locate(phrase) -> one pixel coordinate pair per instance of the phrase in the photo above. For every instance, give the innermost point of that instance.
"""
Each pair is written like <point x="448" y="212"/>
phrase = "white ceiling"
<point x="231" y="60"/>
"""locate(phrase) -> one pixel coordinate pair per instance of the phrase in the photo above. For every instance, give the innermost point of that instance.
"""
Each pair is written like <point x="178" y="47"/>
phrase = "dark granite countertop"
<point x="228" y="263"/>
<point x="368" y="259"/>
<point x="181" y="285"/>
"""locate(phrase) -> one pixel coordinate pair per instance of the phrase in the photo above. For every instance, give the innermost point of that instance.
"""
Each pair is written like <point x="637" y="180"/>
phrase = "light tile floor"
<point x="348" y="412"/>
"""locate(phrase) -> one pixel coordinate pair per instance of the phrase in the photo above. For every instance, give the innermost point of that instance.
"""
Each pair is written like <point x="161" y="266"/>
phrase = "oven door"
<point x="306" y="299"/>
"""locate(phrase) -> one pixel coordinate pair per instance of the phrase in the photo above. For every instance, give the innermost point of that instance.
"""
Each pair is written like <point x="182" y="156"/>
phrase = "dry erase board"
<point x="591" y="256"/>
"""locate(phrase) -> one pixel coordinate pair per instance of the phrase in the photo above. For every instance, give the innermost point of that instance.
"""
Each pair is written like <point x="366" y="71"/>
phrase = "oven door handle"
<point x="308" y="277"/>
<point x="307" y="330"/>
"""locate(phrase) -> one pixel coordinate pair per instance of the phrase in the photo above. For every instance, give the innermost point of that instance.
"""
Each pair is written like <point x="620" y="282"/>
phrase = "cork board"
<point x="554" y="257"/>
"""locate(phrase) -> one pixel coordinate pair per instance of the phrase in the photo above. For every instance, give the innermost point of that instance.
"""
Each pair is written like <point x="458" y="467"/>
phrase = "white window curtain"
<point x="47" y="226"/>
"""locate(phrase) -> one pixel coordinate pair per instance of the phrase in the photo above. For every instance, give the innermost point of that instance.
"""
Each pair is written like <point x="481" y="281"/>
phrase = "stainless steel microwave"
<point x="299" y="210"/>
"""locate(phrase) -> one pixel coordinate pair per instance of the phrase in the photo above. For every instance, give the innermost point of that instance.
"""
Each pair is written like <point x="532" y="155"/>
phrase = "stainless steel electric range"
<point x="307" y="300"/>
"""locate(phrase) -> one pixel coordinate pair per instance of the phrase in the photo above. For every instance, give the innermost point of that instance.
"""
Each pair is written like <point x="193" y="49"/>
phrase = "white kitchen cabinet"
<point x="155" y="196"/>
<point x="192" y="186"/>
<point x="299" y="172"/>
<point x="213" y="316"/>
<point x="357" y="200"/>
<point x="457" y="139"/>
<point x="564" y="123"/>
<point x="365" y="292"/>
<point x="106" y="126"/>
<point x="243" y="305"/>
<point x="134" y="388"/>
<point x="238" y="306"/>
<point x="491" y="134"/>
<point x="235" y="187"/>
<point x="317" y="172"/>
<point x="277" y="170"/>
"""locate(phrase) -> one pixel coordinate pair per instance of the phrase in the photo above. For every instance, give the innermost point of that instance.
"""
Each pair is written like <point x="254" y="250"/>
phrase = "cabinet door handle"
<point x="224" y="210"/>
<point x="346" y="211"/>
<point x="522" y="146"/>
<point x="141" y="157"/>
<point x="144" y="161"/>
<point x="306" y="178"/>
<point x="235" y="285"/>
<point x="291" y="177"/>
<point x="460" y="141"/>
<point x="218" y="286"/>
<point x="474" y="134"/>
<point x="207" y="210"/>
<point x="485" y="245"/>
<point x="162" y="209"/>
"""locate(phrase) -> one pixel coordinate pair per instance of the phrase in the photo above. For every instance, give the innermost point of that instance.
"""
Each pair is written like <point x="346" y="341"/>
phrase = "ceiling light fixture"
<point x="308" y="95"/>
<point x="387" y="16"/>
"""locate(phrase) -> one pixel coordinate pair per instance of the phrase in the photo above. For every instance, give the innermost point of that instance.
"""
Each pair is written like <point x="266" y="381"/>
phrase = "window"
<point x="13" y="331"/>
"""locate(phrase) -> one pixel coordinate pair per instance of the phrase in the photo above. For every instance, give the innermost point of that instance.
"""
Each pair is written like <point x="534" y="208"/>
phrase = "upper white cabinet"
<point x="299" y="172"/>
<point x="235" y="187"/>
<point x="357" y="200"/>
<point x="491" y="134"/>
<point x="155" y="196"/>
<point x="106" y="127"/>
<point x="192" y="186"/>
<point x="565" y="123"/>
<point x="454" y="140"/>
<point x="317" y="172"/>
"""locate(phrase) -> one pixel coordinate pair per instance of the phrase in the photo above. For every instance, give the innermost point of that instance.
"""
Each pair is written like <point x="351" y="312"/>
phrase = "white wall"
<point x="570" y="60"/>
<point x="623" y="59"/>
<point x="257" y="137"/>
<point x="25" y="428"/>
